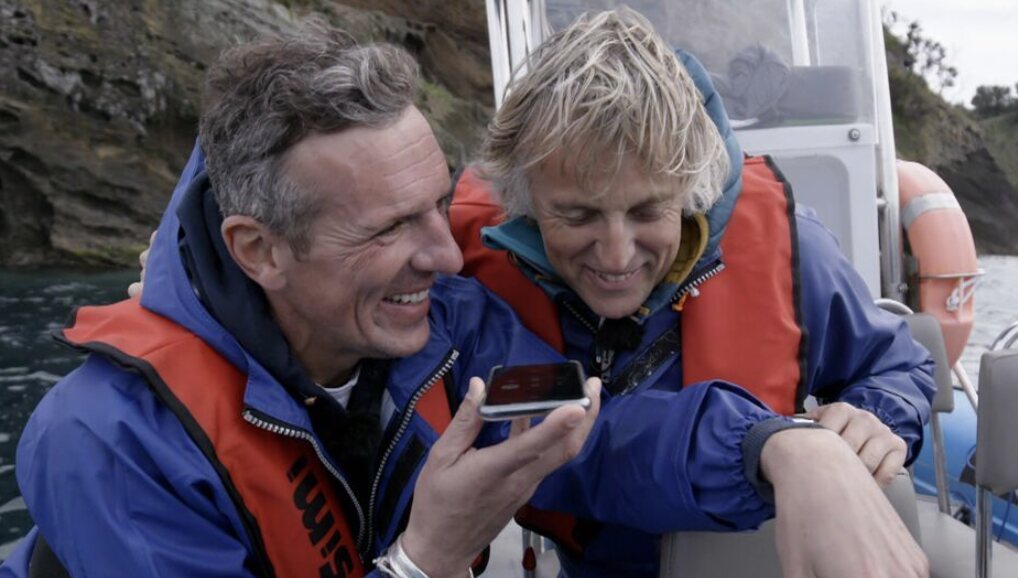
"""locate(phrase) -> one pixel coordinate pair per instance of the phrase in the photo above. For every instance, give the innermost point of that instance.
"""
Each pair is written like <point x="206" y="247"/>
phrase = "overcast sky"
<point x="981" y="38"/>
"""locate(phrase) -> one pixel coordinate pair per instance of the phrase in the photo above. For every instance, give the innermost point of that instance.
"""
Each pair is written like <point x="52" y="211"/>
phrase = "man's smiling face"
<point x="614" y="244"/>
<point x="378" y="244"/>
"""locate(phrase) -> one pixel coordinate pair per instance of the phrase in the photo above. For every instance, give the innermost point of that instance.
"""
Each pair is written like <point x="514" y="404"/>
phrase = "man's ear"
<point x="261" y="254"/>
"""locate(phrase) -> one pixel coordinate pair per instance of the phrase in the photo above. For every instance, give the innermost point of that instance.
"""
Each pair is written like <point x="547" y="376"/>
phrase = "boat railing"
<point x="962" y="375"/>
<point x="926" y="330"/>
<point x="1006" y="338"/>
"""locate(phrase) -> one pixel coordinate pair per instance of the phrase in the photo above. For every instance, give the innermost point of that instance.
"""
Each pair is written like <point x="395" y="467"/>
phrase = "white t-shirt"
<point x="342" y="393"/>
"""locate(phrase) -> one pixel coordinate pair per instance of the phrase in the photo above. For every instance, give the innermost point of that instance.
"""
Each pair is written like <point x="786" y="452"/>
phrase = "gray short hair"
<point x="605" y="87"/>
<point x="262" y="98"/>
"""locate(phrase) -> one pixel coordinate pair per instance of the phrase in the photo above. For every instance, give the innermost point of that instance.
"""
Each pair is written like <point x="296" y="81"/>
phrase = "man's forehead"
<point x="627" y="182"/>
<point x="368" y="166"/>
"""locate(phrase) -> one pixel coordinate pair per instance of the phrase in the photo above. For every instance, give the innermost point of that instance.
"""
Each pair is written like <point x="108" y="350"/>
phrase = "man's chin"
<point x="406" y="342"/>
<point x="613" y="307"/>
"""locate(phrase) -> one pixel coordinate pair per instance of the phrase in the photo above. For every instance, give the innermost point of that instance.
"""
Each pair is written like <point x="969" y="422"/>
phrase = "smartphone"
<point x="530" y="390"/>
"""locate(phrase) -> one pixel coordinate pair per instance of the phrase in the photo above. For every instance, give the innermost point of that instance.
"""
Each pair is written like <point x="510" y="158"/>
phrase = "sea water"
<point x="33" y="305"/>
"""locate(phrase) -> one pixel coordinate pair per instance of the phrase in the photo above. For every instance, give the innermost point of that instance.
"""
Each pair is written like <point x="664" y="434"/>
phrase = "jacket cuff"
<point x="752" y="448"/>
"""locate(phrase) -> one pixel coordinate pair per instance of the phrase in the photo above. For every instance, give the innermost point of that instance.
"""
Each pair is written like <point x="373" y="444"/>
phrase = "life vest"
<point x="290" y="510"/>
<point x="744" y="327"/>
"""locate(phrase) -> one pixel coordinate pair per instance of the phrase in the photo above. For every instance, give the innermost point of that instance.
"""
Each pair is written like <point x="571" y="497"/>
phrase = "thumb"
<point x="464" y="427"/>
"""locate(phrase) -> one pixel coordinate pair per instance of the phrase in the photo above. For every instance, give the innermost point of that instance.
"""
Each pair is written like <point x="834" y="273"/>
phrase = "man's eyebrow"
<point x="651" y="203"/>
<point x="572" y="206"/>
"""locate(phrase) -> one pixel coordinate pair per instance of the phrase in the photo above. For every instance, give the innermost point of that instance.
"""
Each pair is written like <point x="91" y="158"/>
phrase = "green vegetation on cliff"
<point x="977" y="159"/>
<point x="1001" y="135"/>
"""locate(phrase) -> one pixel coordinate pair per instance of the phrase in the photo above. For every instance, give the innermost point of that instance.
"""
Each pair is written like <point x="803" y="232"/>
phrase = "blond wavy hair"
<point x="605" y="88"/>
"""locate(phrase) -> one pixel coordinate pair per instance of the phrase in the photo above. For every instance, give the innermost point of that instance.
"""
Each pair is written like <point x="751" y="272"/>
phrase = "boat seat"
<point x="950" y="546"/>
<point x="752" y="554"/>
<point x="926" y="330"/>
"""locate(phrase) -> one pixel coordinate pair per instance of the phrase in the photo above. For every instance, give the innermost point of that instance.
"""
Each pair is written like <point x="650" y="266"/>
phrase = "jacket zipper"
<point x="279" y="428"/>
<point x="408" y="413"/>
<point x="605" y="359"/>
<point x="579" y="317"/>
<point x="691" y="287"/>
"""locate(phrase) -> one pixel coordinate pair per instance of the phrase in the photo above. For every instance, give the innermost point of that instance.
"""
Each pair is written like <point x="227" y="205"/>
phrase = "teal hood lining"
<point x="521" y="237"/>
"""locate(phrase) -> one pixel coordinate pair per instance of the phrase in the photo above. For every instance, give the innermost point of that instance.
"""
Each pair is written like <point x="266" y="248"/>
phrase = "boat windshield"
<point x="775" y="62"/>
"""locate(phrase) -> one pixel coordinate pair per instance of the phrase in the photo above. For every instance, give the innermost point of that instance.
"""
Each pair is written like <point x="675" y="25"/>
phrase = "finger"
<point x="143" y="258"/>
<point x="152" y="237"/>
<point x="519" y="425"/>
<point x="546" y="437"/>
<point x="834" y="417"/>
<point x="134" y="290"/>
<point x="572" y="443"/>
<point x="889" y="467"/>
<point x="592" y="387"/>
<point x="575" y="440"/>
<point x="873" y="452"/>
<point x="561" y="436"/>
<point x="463" y="429"/>
<point x="857" y="433"/>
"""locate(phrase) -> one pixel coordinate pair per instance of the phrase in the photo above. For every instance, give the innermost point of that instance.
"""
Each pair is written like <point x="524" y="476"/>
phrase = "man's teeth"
<point x="614" y="278"/>
<point x="408" y="298"/>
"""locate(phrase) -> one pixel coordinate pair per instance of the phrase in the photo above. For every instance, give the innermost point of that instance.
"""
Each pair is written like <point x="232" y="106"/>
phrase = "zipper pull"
<point x="692" y="292"/>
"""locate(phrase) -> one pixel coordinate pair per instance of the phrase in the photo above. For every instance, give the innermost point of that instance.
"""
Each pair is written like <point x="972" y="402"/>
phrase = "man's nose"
<point x="438" y="252"/>
<point x="617" y="246"/>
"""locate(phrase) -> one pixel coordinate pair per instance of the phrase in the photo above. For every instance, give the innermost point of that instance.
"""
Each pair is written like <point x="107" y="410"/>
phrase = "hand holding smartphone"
<point x="532" y="390"/>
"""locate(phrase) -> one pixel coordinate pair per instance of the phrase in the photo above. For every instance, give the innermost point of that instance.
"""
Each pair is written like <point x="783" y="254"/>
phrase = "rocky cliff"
<point x="99" y="104"/>
<point x="949" y="140"/>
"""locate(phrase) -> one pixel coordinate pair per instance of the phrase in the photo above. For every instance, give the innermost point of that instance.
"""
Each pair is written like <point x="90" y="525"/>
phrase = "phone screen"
<point x="534" y="383"/>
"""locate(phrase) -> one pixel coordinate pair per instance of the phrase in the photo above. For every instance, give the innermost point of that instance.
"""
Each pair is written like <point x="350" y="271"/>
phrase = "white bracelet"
<point x="396" y="564"/>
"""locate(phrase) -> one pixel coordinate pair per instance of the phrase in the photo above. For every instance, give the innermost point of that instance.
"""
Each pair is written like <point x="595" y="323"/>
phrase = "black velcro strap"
<point x="665" y="347"/>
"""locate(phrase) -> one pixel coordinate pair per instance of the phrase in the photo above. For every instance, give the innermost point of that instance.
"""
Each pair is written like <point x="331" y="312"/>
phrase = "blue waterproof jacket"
<point x="857" y="353"/>
<point x="118" y="488"/>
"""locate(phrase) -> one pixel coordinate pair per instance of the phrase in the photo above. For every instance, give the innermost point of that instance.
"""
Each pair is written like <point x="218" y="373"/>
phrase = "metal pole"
<point x="984" y="532"/>
<point x="966" y="385"/>
<point x="891" y="259"/>
<point x="939" y="470"/>
<point x="800" y="34"/>
<point x="501" y="66"/>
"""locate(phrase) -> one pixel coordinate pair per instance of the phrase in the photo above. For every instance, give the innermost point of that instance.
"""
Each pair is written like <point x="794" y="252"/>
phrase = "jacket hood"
<point x="521" y="237"/>
<point x="190" y="279"/>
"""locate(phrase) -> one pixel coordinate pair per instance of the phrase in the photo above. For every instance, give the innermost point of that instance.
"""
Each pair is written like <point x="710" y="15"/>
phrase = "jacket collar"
<point x="522" y="238"/>
<point x="191" y="279"/>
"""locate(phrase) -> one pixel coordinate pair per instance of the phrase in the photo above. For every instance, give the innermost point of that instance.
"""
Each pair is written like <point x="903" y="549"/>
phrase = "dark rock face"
<point x="98" y="108"/>
<point x="99" y="104"/>
<point x="948" y="140"/>
<point x="989" y="200"/>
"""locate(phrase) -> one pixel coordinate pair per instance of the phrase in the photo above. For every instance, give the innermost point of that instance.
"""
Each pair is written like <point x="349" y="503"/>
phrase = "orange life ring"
<point x="942" y="244"/>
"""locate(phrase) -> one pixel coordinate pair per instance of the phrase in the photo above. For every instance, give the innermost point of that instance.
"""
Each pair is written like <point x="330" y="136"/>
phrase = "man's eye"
<point x="646" y="213"/>
<point x="577" y="218"/>
<point x="393" y="227"/>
